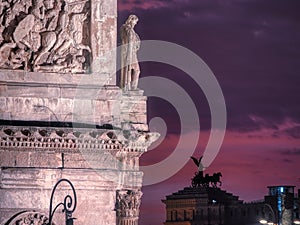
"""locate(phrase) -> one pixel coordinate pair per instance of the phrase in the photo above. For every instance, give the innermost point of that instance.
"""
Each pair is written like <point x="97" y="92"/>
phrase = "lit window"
<point x="281" y="189"/>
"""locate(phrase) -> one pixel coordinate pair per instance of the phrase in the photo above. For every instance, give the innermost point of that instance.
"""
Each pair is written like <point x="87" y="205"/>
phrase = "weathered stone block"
<point x="14" y="158"/>
<point x="134" y="118"/>
<point x="29" y="91"/>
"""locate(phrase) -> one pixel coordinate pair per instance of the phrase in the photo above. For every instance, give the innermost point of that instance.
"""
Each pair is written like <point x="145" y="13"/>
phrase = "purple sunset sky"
<point x="253" y="49"/>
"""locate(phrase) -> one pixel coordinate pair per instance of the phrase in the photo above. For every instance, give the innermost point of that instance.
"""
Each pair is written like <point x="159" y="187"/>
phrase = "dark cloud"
<point x="294" y="132"/>
<point x="287" y="160"/>
<point x="251" y="46"/>
<point x="292" y="152"/>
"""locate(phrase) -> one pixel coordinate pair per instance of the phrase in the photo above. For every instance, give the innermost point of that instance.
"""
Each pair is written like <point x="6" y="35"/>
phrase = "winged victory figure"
<point x="198" y="163"/>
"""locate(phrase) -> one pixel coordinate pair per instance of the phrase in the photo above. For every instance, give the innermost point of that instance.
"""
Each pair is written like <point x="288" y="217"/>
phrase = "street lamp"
<point x="263" y="222"/>
<point x="68" y="206"/>
<point x="266" y="222"/>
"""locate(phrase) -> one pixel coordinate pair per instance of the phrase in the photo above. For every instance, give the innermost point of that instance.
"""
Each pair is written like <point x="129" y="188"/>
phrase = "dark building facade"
<point x="281" y="205"/>
<point x="213" y="206"/>
<point x="209" y="206"/>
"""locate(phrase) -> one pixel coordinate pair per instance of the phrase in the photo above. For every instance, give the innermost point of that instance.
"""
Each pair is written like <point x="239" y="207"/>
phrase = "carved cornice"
<point x="60" y="139"/>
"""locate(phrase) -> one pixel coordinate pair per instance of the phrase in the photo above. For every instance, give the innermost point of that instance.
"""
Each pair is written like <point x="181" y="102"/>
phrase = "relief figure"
<point x="44" y="35"/>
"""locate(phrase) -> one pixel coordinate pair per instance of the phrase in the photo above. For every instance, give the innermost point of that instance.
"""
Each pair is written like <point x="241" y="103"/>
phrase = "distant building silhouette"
<point x="213" y="206"/>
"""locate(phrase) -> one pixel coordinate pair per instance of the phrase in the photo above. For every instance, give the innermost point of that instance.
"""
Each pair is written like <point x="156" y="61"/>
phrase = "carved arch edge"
<point x="28" y="217"/>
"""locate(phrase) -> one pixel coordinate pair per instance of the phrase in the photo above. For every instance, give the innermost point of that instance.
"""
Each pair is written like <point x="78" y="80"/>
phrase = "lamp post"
<point x="68" y="206"/>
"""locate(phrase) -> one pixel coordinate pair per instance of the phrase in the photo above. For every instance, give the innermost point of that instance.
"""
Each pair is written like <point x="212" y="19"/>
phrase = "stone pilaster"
<point x="127" y="206"/>
<point x="134" y="110"/>
<point x="103" y="42"/>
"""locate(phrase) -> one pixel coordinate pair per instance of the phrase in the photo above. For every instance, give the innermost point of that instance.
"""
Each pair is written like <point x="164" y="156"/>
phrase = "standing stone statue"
<point x="130" y="45"/>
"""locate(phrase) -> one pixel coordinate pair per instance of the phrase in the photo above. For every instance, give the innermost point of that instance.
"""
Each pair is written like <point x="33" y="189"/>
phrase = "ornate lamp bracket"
<point x="68" y="205"/>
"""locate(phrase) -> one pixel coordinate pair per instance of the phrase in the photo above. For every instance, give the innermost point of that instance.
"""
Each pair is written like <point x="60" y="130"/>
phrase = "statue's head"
<point x="132" y="20"/>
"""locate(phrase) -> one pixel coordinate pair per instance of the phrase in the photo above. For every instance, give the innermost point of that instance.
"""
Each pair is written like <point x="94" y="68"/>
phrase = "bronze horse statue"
<point x="214" y="180"/>
<point x="205" y="181"/>
<point x="198" y="180"/>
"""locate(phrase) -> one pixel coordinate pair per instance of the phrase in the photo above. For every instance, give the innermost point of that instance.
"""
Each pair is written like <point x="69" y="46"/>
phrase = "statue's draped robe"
<point x="129" y="61"/>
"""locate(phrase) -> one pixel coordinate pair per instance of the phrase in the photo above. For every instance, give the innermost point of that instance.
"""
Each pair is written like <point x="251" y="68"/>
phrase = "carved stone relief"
<point x="68" y="138"/>
<point x="128" y="203"/>
<point x="30" y="218"/>
<point x="45" y="35"/>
